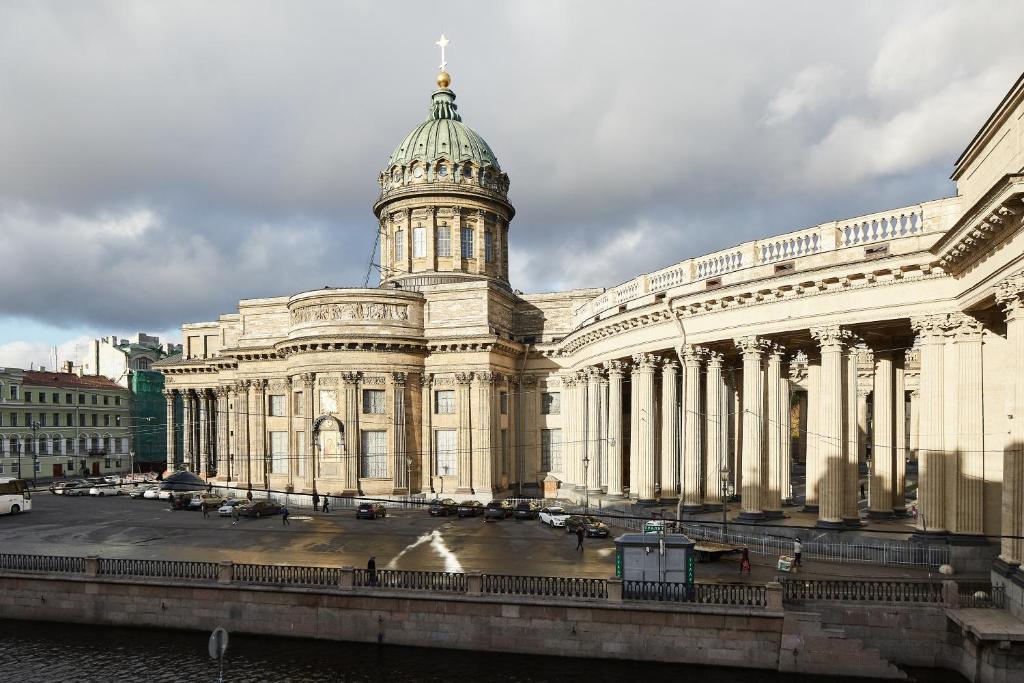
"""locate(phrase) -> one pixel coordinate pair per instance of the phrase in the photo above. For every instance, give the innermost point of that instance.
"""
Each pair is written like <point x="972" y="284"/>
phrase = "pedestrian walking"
<point x="798" y="549"/>
<point x="325" y="505"/>
<point x="579" y="539"/>
<point x="863" y="494"/>
<point x="745" y="560"/>
<point x="248" y="495"/>
<point x="234" y="515"/>
<point x="316" y="502"/>
<point x="284" y="517"/>
<point x="206" y="510"/>
<point x="371" y="571"/>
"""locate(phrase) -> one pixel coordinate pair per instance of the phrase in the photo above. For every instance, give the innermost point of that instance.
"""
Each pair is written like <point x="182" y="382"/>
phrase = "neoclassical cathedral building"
<point x="893" y="339"/>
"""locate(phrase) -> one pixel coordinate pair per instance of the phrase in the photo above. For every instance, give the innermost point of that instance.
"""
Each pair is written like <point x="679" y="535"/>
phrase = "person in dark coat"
<point x="371" y="571"/>
<point x="316" y="502"/>
<point x="205" y="509"/>
<point x="580" y="534"/>
<point x="284" y="517"/>
<point x="745" y="560"/>
<point x="326" y="510"/>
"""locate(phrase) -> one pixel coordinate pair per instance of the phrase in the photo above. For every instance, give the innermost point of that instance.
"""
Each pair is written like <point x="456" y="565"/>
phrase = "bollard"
<point x="773" y="596"/>
<point x="226" y="573"/>
<point x="92" y="565"/>
<point x="347" y="579"/>
<point x="474" y="583"/>
<point x="614" y="589"/>
<point x="950" y="594"/>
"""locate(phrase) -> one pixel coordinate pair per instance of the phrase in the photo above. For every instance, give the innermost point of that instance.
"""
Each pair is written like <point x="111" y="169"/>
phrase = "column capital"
<point x="399" y="379"/>
<point x="307" y="379"/>
<point x="832" y="337"/>
<point x="484" y="377"/>
<point x="463" y="377"/>
<point x="221" y="391"/>
<point x="243" y="385"/>
<point x="1010" y="294"/>
<point x="962" y="327"/>
<point x="351" y="377"/>
<point x="776" y="352"/>
<point x="592" y="373"/>
<point x="259" y="384"/>
<point x="169" y="393"/>
<point x="715" y="359"/>
<point x="614" y="367"/>
<point x="529" y="381"/>
<point x="669" y="366"/>
<point x="644" y="361"/>
<point x="929" y="328"/>
<point x="751" y="346"/>
<point x="693" y="354"/>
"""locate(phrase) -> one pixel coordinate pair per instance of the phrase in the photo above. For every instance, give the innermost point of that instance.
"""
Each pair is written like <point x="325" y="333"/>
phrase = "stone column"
<point x="851" y="440"/>
<point x="931" y="517"/>
<point x="465" y="440"/>
<point x="349" y="473"/>
<point x="260" y="435"/>
<point x="716" y="433"/>
<point x="752" y="454"/>
<point x="670" y="433"/>
<point x="188" y="430"/>
<point x="244" y="421"/>
<point x="515" y="475"/>
<point x="579" y="421"/>
<point x="1010" y="296"/>
<point x="899" y="476"/>
<point x="883" y="438"/>
<point x="646" y="458"/>
<point x="223" y="428"/>
<point x="427" y="469"/>
<point x="482" y="452"/>
<point x="481" y="228"/>
<point x="431" y="229"/>
<point x="571" y="430"/>
<point x="312" y="454"/>
<point x="593" y="443"/>
<point x="172" y="454"/>
<point x="969" y="450"/>
<point x="785" y="437"/>
<point x="603" y="429"/>
<point x="774" y="430"/>
<point x="812" y="465"/>
<point x="634" y="428"/>
<point x="614" y="369"/>
<point x="291" y="463"/>
<point x="529" y="445"/>
<point x="401" y="458"/>
<point x="693" y="461"/>
<point x="204" y="433"/>
<point x="833" y="341"/>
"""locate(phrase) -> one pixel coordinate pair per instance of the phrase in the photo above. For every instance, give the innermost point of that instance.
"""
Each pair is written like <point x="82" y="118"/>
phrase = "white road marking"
<point x="451" y="563"/>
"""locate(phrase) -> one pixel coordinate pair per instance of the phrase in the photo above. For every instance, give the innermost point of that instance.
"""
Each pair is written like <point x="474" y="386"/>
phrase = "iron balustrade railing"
<point x="554" y="586"/>
<point x="862" y="591"/>
<point x="740" y="595"/>
<point x="286" y="575"/>
<point x="980" y="594"/>
<point x="164" y="569"/>
<point x="448" y="582"/>
<point x="42" y="563"/>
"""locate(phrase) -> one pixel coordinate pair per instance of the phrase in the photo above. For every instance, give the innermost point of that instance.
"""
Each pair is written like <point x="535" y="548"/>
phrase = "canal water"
<point x="40" y="652"/>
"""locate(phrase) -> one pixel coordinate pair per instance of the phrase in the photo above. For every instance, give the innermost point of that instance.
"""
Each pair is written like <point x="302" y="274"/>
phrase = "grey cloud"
<point x="249" y="135"/>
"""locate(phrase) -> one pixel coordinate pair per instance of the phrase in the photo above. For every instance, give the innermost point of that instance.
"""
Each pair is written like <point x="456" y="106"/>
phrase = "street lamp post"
<point x="35" y="449"/>
<point x="725" y="502"/>
<point x="442" y="478"/>
<point x="586" y="489"/>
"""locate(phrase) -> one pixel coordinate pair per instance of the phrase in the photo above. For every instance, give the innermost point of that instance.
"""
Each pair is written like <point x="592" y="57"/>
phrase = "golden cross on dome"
<point x="443" y="43"/>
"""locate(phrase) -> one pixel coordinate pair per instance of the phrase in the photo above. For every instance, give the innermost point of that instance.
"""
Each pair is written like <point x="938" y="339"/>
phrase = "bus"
<point x="15" y="496"/>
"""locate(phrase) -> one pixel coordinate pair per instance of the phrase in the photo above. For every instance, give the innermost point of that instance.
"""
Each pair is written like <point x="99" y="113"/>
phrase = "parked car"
<point x="526" y="510"/>
<point x="225" y="509"/>
<point x="470" y="508"/>
<point x="79" y="489"/>
<point x="105" y="489"/>
<point x="152" y="493"/>
<point x="59" y="488"/>
<point x="498" y="509"/>
<point x="591" y="526"/>
<point x="180" y="501"/>
<point x="259" y="508"/>
<point x="142" y="489"/>
<point x="212" y="500"/>
<point x="553" y="516"/>
<point x="370" y="511"/>
<point x="442" y="508"/>
<point x="164" y="494"/>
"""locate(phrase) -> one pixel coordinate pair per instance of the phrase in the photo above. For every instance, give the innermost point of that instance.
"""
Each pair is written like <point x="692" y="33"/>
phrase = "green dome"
<point x="444" y="136"/>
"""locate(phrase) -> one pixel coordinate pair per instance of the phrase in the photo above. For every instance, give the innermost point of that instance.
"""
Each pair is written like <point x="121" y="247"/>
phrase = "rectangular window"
<point x="419" y="242"/>
<point x="373" y="401"/>
<point x="14" y="420"/>
<point x="117" y="464"/>
<point x="93" y="397"/>
<point x="488" y="247"/>
<point x="328" y="401"/>
<point x="117" y="420"/>
<point x="117" y="400"/>
<point x="42" y="397"/>
<point x="69" y="420"/>
<point x="67" y="448"/>
<point x="300" y="452"/>
<point x="374" y="464"/>
<point x="550" y="403"/>
<point x="68" y="399"/>
<point x="81" y="420"/>
<point x="106" y="420"/>
<point x="42" y="419"/>
<point x="95" y="420"/>
<point x="106" y="462"/>
<point x="399" y="245"/>
<point x="444" y="241"/>
<point x="38" y="466"/>
<point x="298" y="409"/>
<point x="279" y="452"/>
<point x="467" y="243"/>
<point x="444" y="402"/>
<point x="55" y="398"/>
<point x="277" y="405"/>
<point x="81" y="399"/>
<point x="446" y="453"/>
<point x="503" y="402"/>
<point x="106" y="400"/>
<point x="56" y="420"/>
<point x="551" y="450"/>
<point x="28" y="397"/>
<point x="14" y="393"/>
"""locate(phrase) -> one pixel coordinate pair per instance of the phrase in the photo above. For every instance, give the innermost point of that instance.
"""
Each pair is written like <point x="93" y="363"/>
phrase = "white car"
<point x="553" y="516"/>
<point x="225" y="509"/>
<point x="105" y="490"/>
<point x="165" y="495"/>
<point x="140" y="491"/>
<point x="152" y="493"/>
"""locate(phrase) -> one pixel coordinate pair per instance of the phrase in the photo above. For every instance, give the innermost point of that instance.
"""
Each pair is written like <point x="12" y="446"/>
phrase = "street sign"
<point x="218" y="643"/>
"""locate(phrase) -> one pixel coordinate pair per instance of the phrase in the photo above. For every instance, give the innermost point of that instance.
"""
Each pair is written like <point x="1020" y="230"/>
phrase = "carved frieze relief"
<point x="349" y="311"/>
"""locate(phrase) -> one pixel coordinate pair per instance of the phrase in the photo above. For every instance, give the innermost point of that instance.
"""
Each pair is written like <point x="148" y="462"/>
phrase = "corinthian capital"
<point x="1010" y="293"/>
<point x="169" y="394"/>
<point x="963" y="327"/>
<point x="644" y="361"/>
<point x="399" y="378"/>
<point x="260" y="384"/>
<point x="463" y="377"/>
<point x="614" y="367"/>
<point x="693" y="355"/>
<point x="929" y="327"/>
<point x="832" y="336"/>
<point x="351" y="377"/>
<point x="751" y="345"/>
<point x="592" y="373"/>
<point x="569" y="379"/>
<point x="308" y="378"/>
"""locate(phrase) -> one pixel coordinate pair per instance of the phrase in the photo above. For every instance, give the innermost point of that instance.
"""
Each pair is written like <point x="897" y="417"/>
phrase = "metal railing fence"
<point x="862" y="591"/>
<point x="286" y="575"/>
<point x="556" y="586"/>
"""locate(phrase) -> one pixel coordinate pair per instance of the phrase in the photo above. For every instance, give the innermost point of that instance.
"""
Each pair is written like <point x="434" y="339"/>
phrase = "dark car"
<point x="470" y="508"/>
<point x="498" y="509"/>
<point x="443" y="508"/>
<point x="591" y="526"/>
<point x="259" y="508"/>
<point x="370" y="511"/>
<point x="527" y="510"/>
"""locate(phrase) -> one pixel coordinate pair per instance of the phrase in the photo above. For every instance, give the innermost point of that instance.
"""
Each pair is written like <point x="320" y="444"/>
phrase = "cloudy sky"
<point x="159" y="161"/>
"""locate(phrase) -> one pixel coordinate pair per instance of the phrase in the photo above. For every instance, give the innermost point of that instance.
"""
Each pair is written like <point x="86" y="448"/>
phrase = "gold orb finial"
<point x="443" y="79"/>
